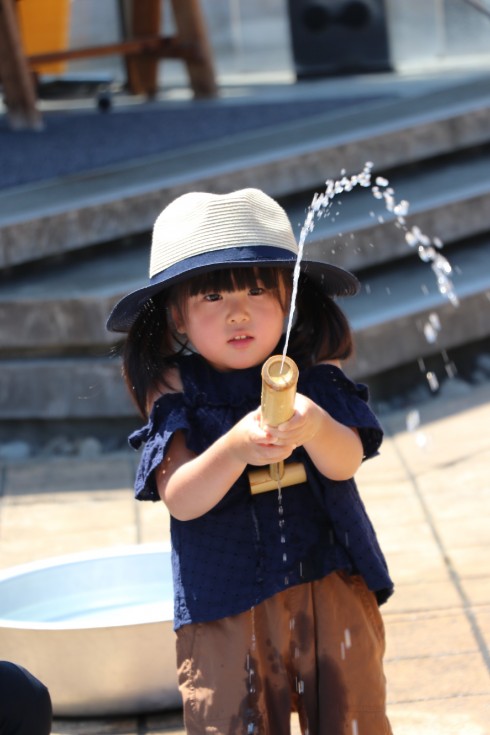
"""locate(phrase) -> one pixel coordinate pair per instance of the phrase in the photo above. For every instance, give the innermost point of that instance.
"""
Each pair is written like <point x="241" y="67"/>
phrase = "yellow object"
<point x="279" y="380"/>
<point x="265" y="479"/>
<point x="44" y="26"/>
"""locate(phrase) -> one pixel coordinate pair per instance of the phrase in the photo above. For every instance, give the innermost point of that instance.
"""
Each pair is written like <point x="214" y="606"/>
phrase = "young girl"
<point x="277" y="593"/>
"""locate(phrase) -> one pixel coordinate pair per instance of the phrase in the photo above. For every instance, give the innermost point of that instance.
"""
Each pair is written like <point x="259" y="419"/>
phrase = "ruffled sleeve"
<point x="345" y="401"/>
<point x="169" y="414"/>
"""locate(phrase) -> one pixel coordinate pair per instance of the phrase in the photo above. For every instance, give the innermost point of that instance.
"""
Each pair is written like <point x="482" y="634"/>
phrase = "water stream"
<point x="428" y="250"/>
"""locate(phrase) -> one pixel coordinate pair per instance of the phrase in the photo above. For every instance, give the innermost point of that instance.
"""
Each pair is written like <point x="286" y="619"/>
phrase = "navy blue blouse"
<point x="248" y="547"/>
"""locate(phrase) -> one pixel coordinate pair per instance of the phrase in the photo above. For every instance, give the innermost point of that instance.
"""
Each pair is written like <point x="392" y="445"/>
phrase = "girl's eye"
<point x="257" y="291"/>
<point x="212" y="297"/>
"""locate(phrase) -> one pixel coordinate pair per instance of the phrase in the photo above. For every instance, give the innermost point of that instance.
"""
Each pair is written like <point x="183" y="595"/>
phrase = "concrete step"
<point x="63" y="308"/>
<point x="80" y="244"/>
<point x="103" y="205"/>
<point x="388" y="317"/>
<point x="394" y="315"/>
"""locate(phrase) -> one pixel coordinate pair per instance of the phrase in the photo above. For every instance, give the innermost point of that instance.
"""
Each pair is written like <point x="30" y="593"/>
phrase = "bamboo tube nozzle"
<point x="279" y="381"/>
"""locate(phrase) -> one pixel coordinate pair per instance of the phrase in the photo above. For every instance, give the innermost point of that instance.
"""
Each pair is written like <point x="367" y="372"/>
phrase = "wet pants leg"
<point x="316" y="648"/>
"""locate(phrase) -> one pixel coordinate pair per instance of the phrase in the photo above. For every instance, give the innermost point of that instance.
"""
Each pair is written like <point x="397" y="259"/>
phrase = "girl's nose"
<point x="237" y="309"/>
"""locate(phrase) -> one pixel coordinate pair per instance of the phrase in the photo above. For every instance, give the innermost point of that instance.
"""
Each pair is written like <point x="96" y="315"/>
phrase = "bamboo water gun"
<point x="279" y="381"/>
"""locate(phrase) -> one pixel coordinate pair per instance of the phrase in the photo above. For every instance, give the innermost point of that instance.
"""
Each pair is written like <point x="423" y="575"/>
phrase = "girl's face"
<point x="233" y="329"/>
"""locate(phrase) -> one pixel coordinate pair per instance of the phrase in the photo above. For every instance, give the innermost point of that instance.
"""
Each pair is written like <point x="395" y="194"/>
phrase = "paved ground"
<point x="429" y="496"/>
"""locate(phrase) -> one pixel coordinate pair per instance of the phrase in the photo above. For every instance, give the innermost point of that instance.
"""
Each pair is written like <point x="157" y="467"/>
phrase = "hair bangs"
<point x="234" y="279"/>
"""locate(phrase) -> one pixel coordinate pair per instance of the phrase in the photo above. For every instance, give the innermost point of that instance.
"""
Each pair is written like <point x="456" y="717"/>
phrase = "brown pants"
<point x="316" y="649"/>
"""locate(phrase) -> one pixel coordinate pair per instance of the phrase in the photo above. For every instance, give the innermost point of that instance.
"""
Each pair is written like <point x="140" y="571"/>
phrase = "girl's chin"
<point x="238" y="362"/>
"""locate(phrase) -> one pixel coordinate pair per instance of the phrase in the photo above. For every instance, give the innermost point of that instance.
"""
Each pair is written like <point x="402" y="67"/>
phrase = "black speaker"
<point x="332" y="37"/>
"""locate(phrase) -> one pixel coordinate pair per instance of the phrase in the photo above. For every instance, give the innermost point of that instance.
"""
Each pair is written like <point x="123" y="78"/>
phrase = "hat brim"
<point x="332" y="279"/>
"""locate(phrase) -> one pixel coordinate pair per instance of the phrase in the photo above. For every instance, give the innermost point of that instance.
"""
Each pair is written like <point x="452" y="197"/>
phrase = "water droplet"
<point x="435" y="321"/>
<point x="355" y="728"/>
<point x="451" y="369"/>
<point x="412" y="420"/>
<point x="401" y="209"/>
<point x="342" y="651"/>
<point x="441" y="263"/>
<point x="432" y="328"/>
<point x="430" y="334"/>
<point x="389" y="202"/>
<point x="318" y="202"/>
<point x="381" y="181"/>
<point x="426" y="254"/>
<point x="301" y="687"/>
<point x="347" y="637"/>
<point x="411" y="239"/>
<point x="432" y="380"/>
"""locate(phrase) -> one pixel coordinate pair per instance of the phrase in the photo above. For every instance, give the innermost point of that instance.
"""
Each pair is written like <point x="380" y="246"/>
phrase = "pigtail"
<point x="321" y="330"/>
<point x="149" y="351"/>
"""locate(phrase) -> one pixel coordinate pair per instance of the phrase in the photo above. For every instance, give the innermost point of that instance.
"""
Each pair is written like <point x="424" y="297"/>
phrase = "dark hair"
<point x="320" y="331"/>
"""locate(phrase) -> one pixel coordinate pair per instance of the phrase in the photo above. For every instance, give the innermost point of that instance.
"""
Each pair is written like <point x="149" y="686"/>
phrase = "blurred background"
<point x="272" y="37"/>
<point x="110" y="109"/>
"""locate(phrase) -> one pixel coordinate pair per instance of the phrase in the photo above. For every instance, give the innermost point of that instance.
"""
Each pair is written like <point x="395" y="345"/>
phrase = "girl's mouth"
<point x="240" y="339"/>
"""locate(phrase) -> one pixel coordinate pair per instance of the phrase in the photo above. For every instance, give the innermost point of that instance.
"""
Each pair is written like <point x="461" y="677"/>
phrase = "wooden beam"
<point x="157" y="48"/>
<point x="142" y="71"/>
<point x="191" y="28"/>
<point x="17" y="80"/>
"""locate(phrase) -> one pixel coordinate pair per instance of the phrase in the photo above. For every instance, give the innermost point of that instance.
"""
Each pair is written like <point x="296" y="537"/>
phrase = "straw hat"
<point x="201" y="232"/>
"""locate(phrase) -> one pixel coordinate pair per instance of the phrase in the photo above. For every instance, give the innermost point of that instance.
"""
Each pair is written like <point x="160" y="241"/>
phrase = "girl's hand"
<point x="335" y="449"/>
<point x="252" y="443"/>
<point x="301" y="427"/>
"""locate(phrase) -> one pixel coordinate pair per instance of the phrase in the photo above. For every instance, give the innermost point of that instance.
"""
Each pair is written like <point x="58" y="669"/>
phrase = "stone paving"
<point x="429" y="497"/>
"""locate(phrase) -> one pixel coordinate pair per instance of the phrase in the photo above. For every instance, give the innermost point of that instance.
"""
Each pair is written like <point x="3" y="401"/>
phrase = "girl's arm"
<point x="335" y="449"/>
<point x="191" y="484"/>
